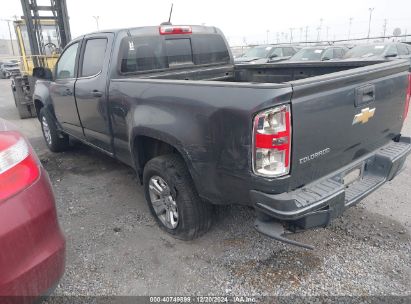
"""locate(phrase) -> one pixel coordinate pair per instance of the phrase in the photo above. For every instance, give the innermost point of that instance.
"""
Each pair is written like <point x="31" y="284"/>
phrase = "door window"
<point x="328" y="54"/>
<point x="67" y="63"/>
<point x="277" y="52"/>
<point x="402" y="49"/>
<point x="287" y="51"/>
<point x="93" y="57"/>
<point x="392" y="51"/>
<point x="338" y="53"/>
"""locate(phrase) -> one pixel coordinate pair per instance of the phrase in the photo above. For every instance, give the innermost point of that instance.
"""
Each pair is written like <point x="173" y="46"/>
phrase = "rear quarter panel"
<point x="209" y="123"/>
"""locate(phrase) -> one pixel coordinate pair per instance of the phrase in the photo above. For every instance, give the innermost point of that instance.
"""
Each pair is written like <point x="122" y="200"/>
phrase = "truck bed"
<point x="219" y="103"/>
<point x="261" y="73"/>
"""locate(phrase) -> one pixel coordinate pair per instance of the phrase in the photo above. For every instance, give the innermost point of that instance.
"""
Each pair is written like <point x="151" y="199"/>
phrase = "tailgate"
<point x="339" y="117"/>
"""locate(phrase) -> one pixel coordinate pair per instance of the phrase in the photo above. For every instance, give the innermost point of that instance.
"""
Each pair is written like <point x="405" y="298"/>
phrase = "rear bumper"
<point x="316" y="204"/>
<point x="32" y="245"/>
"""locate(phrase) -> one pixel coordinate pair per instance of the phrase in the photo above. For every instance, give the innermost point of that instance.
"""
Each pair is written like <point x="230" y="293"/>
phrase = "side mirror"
<point x="273" y="56"/>
<point x="326" y="58"/>
<point x="390" y="55"/>
<point x="43" y="73"/>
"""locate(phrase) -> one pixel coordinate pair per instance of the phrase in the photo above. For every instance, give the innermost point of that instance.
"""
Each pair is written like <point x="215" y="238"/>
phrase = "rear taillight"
<point x="18" y="168"/>
<point x="407" y="98"/>
<point x="272" y="142"/>
<point x="175" y="30"/>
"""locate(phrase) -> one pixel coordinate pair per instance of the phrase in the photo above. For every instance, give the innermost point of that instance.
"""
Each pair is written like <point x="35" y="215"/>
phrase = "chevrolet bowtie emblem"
<point x="364" y="116"/>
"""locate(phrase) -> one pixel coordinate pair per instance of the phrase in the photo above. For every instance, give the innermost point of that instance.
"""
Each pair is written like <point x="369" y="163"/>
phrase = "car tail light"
<point x="272" y="142"/>
<point x="407" y="98"/>
<point x="175" y="30"/>
<point x="18" y="166"/>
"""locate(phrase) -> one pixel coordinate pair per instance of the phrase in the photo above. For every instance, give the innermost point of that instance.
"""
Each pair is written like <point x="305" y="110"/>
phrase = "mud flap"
<point x="276" y="231"/>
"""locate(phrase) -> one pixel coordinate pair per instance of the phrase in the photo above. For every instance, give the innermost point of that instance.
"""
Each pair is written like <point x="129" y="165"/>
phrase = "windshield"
<point x="308" y="54"/>
<point x="11" y="65"/>
<point x="258" y="52"/>
<point x="50" y="40"/>
<point x="362" y="51"/>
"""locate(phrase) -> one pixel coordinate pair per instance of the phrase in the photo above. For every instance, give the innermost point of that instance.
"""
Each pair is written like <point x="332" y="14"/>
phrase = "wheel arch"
<point x="146" y="145"/>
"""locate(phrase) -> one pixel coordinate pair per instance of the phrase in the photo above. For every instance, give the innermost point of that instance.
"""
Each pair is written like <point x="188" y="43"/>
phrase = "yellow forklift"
<point x="42" y="34"/>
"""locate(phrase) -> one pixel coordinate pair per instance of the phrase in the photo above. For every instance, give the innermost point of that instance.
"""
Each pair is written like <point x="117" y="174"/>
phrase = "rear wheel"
<point x="173" y="199"/>
<point x="55" y="140"/>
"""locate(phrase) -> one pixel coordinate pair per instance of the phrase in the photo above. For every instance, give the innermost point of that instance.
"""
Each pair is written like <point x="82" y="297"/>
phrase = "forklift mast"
<point x="32" y="47"/>
<point x="34" y="13"/>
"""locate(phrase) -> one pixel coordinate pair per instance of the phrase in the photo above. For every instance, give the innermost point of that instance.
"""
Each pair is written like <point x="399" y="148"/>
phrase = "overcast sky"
<point x="250" y="21"/>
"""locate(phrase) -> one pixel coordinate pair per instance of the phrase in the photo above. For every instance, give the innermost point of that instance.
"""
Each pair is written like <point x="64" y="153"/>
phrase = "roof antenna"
<point x="171" y="11"/>
<point x="169" y="17"/>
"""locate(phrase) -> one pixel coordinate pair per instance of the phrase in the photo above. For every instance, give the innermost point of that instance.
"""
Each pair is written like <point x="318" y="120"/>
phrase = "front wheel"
<point x="173" y="199"/>
<point x="55" y="140"/>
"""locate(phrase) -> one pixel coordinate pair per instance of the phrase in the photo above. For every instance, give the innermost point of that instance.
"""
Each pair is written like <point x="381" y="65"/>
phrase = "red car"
<point x="32" y="246"/>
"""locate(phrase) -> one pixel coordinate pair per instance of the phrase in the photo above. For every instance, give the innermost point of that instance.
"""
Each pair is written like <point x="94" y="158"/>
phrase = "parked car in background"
<point x="319" y="53"/>
<point x="380" y="51"/>
<point x="32" y="246"/>
<point x="238" y="51"/>
<point x="9" y="69"/>
<point x="267" y="53"/>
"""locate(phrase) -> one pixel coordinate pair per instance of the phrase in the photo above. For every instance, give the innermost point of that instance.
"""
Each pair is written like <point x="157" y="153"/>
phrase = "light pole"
<point x="301" y="34"/>
<point x="319" y="29"/>
<point x="268" y="33"/>
<point x="369" y="22"/>
<point x="384" y="27"/>
<point x="11" y="39"/>
<point x="291" y="34"/>
<point x="97" y="18"/>
<point x="349" y="29"/>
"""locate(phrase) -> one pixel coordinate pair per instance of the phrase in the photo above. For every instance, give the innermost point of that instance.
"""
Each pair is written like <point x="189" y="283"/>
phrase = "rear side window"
<point x="93" y="57"/>
<point x="142" y="54"/>
<point x="151" y="53"/>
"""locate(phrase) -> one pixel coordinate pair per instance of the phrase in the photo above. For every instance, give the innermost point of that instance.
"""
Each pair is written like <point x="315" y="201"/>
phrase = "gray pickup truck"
<point x="299" y="142"/>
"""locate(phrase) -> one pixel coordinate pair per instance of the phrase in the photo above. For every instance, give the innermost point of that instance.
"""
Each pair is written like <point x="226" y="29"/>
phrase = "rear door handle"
<point x="96" y="93"/>
<point x="364" y="95"/>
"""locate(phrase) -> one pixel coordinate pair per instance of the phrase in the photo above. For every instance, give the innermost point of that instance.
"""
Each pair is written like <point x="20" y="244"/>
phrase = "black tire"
<point x="58" y="141"/>
<point x="194" y="214"/>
